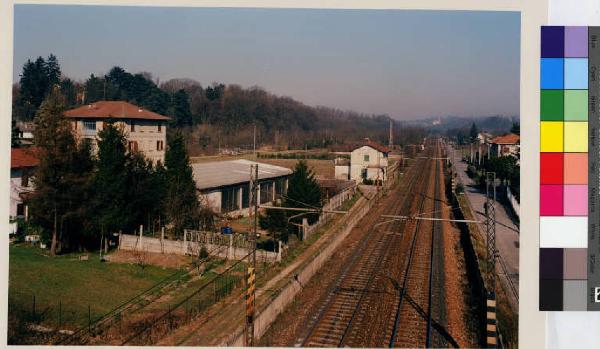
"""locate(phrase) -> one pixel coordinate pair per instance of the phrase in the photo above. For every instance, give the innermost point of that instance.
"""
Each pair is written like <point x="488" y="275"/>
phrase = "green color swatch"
<point x="552" y="105"/>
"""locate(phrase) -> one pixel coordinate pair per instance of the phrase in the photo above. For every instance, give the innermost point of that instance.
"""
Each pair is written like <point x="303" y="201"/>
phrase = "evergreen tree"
<point x="52" y="71"/>
<point x="181" y="201"/>
<point x="516" y="128"/>
<point x="94" y="89"/>
<point x="303" y="192"/>
<point x="181" y="109"/>
<point x="14" y="135"/>
<point x="145" y="191"/>
<point x="56" y="175"/>
<point x="110" y="183"/>
<point x="473" y="133"/>
<point x="77" y="227"/>
<point x="275" y="222"/>
<point x="69" y="90"/>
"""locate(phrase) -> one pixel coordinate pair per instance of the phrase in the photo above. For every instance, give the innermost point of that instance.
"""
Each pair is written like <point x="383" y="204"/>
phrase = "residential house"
<point x="506" y="145"/>
<point x="23" y="162"/>
<point x="145" y="130"/>
<point x="25" y="133"/>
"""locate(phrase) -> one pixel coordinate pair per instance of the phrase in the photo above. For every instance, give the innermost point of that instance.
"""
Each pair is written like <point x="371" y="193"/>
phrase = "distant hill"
<point x="495" y="124"/>
<point x="219" y="116"/>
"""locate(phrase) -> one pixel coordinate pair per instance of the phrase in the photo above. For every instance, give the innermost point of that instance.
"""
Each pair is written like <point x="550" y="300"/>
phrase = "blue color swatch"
<point x="552" y="73"/>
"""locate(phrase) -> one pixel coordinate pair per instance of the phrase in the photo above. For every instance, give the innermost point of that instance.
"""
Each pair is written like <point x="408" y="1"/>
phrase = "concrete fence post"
<point x="184" y="246"/>
<point x="305" y="232"/>
<point x="141" y="233"/>
<point x="230" y="250"/>
<point x="279" y="251"/>
<point x="162" y="240"/>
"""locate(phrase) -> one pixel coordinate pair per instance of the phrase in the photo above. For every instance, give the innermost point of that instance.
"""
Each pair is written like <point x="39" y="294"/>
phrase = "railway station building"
<point x="368" y="161"/>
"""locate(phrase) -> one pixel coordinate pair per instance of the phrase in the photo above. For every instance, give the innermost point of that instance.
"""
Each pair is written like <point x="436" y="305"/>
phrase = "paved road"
<point x="507" y="240"/>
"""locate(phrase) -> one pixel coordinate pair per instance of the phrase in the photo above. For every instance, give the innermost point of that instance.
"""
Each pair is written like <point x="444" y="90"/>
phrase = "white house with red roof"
<point x="505" y="145"/>
<point x="145" y="131"/>
<point x="23" y="162"/>
<point x="368" y="161"/>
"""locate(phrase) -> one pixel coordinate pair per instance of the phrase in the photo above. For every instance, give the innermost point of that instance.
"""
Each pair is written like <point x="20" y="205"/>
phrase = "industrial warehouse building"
<point x="225" y="185"/>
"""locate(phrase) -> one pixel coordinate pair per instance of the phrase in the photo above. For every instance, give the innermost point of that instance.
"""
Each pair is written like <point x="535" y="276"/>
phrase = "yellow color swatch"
<point x="551" y="137"/>
<point x="576" y="137"/>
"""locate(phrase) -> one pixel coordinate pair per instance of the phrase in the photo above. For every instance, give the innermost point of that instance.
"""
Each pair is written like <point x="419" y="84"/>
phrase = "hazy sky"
<point x="408" y="64"/>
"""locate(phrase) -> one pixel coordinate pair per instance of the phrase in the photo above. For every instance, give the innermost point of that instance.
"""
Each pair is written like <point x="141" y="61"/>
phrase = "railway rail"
<point x="366" y="305"/>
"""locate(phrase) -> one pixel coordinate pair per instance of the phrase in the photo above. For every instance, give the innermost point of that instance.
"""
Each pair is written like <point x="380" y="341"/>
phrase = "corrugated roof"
<point x="23" y="157"/>
<point x="221" y="173"/>
<point x="113" y="109"/>
<point x="509" y="138"/>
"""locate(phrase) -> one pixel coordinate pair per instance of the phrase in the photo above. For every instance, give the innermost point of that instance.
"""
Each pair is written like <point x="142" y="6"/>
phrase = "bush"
<point x="203" y="253"/>
<point x="368" y="181"/>
<point x="460" y="188"/>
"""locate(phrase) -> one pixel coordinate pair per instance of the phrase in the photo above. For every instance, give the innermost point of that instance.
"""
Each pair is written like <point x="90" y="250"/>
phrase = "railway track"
<point x="388" y="279"/>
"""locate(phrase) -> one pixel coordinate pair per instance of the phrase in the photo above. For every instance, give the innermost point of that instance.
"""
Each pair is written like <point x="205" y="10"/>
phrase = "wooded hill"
<point x="213" y="116"/>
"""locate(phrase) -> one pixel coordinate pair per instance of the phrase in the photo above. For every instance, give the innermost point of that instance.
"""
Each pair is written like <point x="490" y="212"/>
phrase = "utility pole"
<point x="490" y="232"/>
<point x="391" y="140"/>
<point x="250" y="281"/>
<point x="254" y="141"/>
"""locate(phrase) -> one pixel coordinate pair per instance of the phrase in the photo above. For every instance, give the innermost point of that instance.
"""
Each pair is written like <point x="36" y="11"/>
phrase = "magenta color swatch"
<point x="576" y="41"/>
<point x="551" y="200"/>
<point x="576" y="200"/>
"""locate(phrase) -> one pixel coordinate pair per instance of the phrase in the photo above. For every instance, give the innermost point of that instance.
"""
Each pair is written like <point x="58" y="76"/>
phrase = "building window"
<point x="366" y="158"/>
<point x="159" y="127"/>
<point x="89" y="127"/>
<point x="229" y="199"/>
<point x="20" y="210"/>
<point x="132" y="146"/>
<point x="266" y="192"/>
<point x="159" y="145"/>
<point x="132" y="126"/>
<point x="245" y="196"/>
<point x="25" y="178"/>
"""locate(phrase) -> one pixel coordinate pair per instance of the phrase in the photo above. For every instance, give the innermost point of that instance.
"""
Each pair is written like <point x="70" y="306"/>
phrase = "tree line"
<point x="215" y="114"/>
<point x="81" y="198"/>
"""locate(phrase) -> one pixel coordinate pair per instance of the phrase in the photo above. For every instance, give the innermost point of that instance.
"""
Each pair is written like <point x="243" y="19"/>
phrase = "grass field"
<point x="75" y="284"/>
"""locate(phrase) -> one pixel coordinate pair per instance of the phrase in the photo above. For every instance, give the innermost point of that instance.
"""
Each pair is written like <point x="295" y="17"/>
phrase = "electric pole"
<point x="391" y="139"/>
<point x="490" y="232"/>
<point x="251" y="270"/>
<point x="254" y="141"/>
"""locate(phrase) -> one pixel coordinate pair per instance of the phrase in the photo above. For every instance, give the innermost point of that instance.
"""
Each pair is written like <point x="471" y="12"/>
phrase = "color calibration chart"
<point x="569" y="177"/>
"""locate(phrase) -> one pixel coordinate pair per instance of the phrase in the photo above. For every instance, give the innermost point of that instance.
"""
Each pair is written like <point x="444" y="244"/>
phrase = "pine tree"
<point x="52" y="71"/>
<point x="14" y="135"/>
<point x="145" y="185"/>
<point x="110" y="182"/>
<point x="303" y="190"/>
<point x="181" y="201"/>
<point x="54" y="179"/>
<point x="473" y="133"/>
<point x="181" y="109"/>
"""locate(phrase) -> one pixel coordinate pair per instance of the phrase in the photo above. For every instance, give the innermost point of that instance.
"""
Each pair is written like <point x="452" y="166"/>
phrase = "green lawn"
<point x="75" y="284"/>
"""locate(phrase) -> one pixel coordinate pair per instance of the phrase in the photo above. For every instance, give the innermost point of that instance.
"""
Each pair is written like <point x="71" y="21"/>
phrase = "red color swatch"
<point x="551" y="168"/>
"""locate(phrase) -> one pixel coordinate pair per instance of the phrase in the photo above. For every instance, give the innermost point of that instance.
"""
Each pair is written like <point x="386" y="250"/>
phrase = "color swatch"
<point x="568" y="90"/>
